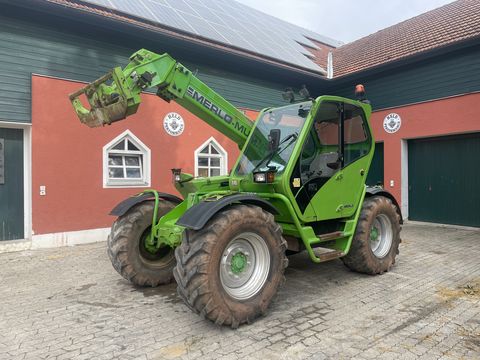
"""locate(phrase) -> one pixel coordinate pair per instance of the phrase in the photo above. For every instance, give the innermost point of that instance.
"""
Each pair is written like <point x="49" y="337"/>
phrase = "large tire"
<point x="377" y="237"/>
<point x="214" y="272"/>
<point x="126" y="250"/>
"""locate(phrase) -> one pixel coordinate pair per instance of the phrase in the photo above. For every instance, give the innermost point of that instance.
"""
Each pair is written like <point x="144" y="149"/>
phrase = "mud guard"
<point x="376" y="190"/>
<point x="198" y="215"/>
<point x="128" y="203"/>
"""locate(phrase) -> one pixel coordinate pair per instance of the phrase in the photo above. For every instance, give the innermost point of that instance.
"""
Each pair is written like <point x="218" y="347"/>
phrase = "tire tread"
<point x="191" y="255"/>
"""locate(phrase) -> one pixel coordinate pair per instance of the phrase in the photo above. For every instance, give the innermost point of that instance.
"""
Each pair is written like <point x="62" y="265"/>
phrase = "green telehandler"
<point x="298" y="184"/>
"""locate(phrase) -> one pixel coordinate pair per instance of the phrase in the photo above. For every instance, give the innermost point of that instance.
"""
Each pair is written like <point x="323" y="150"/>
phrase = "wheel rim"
<point x="381" y="236"/>
<point x="244" y="266"/>
<point x="160" y="259"/>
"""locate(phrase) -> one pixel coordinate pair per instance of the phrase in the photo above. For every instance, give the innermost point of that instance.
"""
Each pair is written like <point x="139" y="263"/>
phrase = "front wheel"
<point x="126" y="247"/>
<point x="377" y="237"/>
<point x="230" y="270"/>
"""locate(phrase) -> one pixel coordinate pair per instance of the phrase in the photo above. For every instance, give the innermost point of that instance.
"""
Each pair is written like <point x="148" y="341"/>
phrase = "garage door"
<point x="444" y="179"/>
<point x="11" y="184"/>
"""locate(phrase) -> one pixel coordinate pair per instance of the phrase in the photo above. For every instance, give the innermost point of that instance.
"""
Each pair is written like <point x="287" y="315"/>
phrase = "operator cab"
<point x="338" y="137"/>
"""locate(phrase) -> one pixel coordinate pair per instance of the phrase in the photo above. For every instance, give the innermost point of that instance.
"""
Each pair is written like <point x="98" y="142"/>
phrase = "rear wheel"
<point x="230" y="270"/>
<point x="377" y="237"/>
<point x="127" y="251"/>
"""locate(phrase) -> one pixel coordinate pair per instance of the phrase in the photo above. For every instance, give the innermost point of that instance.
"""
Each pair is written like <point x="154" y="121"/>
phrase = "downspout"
<point x="330" y="65"/>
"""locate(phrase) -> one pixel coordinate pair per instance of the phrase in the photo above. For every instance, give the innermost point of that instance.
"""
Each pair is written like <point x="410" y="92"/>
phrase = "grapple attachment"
<point x="108" y="103"/>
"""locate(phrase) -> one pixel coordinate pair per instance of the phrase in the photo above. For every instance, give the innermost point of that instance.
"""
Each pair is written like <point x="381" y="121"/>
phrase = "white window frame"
<point x="144" y="151"/>
<point x="222" y="155"/>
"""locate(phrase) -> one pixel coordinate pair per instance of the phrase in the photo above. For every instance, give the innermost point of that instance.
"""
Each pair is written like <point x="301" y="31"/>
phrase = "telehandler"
<point x="298" y="184"/>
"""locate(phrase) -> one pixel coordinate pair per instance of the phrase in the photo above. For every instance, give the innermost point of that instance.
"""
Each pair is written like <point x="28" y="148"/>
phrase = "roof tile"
<point x="451" y="23"/>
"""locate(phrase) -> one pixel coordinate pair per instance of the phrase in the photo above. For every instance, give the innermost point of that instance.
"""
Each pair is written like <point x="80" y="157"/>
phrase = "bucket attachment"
<point x="108" y="103"/>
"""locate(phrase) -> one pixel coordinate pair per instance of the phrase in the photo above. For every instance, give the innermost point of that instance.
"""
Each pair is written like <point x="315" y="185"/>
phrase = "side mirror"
<point x="274" y="139"/>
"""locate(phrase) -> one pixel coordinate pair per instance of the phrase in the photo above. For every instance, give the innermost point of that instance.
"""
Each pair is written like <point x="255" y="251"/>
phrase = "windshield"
<point x="289" y="120"/>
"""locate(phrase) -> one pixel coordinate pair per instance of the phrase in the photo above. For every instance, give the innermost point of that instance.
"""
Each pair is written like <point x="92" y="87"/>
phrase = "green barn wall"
<point x="28" y="47"/>
<point x="434" y="78"/>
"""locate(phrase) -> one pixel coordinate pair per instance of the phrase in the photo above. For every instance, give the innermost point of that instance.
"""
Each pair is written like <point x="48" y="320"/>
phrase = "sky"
<point x="344" y="20"/>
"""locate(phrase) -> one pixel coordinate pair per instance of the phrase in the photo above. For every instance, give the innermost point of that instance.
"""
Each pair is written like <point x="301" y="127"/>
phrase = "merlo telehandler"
<point x="298" y="184"/>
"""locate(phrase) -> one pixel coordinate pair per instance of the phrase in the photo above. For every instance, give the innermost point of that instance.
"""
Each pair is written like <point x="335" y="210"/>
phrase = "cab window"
<point x="355" y="134"/>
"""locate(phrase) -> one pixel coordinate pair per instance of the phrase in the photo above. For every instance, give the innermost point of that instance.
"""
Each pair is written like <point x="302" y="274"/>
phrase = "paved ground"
<point x="68" y="303"/>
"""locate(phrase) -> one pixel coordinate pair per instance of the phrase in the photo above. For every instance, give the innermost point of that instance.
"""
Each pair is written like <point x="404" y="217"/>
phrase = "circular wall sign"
<point x="173" y="124"/>
<point x="392" y="123"/>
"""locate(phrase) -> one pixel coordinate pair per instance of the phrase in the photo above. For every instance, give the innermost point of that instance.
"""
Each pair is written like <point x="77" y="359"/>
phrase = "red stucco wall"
<point x="67" y="156"/>
<point x="434" y="118"/>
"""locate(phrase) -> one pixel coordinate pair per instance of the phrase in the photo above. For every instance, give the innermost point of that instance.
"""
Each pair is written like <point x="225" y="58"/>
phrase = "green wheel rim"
<point x="381" y="236"/>
<point x="244" y="266"/>
<point x="162" y="257"/>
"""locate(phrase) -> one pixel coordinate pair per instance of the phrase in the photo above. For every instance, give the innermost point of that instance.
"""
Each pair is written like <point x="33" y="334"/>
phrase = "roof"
<point x="224" y="22"/>
<point x="449" y="24"/>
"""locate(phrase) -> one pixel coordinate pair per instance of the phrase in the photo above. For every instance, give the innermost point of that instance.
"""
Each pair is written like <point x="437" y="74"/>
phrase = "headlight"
<point x="264" y="177"/>
<point x="260" y="177"/>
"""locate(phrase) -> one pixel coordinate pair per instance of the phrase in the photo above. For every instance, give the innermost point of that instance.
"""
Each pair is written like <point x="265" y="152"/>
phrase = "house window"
<point x="126" y="162"/>
<point x="210" y="159"/>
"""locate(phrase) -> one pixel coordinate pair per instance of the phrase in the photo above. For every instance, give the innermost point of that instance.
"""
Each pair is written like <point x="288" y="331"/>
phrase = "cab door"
<point x="334" y="161"/>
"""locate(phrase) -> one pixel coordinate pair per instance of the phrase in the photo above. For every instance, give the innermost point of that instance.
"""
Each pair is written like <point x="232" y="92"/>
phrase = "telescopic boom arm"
<point x="121" y="98"/>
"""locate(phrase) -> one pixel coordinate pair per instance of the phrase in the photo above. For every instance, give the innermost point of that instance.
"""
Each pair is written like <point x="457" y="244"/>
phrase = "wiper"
<point x="272" y="153"/>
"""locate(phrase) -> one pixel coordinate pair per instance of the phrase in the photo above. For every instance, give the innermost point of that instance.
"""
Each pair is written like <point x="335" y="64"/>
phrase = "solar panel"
<point x="230" y="23"/>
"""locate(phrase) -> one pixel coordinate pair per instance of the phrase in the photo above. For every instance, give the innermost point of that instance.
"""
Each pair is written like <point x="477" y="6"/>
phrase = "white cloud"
<point x="344" y="20"/>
